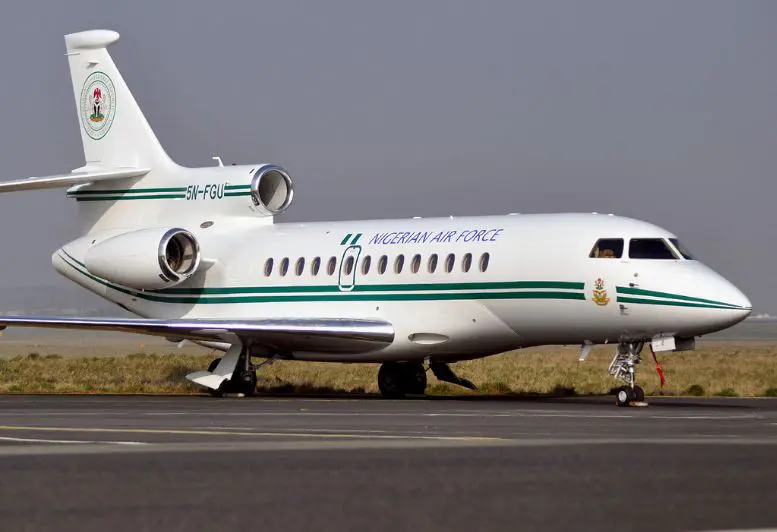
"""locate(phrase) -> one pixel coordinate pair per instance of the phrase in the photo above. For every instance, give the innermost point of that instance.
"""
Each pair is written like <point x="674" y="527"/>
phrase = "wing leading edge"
<point x="77" y="177"/>
<point x="323" y="335"/>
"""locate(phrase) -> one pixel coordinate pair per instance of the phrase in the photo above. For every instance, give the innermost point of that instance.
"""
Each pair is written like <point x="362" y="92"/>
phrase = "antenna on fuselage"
<point x="218" y="159"/>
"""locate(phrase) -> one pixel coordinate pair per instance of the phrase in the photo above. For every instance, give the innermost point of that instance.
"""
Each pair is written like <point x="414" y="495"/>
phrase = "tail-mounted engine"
<point x="272" y="189"/>
<point x="148" y="259"/>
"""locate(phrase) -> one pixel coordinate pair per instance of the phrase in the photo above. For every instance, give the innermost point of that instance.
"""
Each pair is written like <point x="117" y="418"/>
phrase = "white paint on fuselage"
<point x="542" y="248"/>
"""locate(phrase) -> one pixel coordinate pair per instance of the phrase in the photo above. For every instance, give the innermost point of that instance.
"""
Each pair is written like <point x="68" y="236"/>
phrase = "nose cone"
<point x="744" y="304"/>
<point x="734" y="305"/>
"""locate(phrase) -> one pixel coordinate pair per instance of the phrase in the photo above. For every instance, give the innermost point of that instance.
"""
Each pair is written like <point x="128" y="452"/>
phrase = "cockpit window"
<point x="682" y="249"/>
<point x="607" y="248"/>
<point x="650" y="248"/>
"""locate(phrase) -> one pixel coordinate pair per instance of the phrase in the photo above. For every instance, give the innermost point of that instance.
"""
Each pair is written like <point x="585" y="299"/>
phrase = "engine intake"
<point x="272" y="189"/>
<point x="147" y="259"/>
<point x="179" y="255"/>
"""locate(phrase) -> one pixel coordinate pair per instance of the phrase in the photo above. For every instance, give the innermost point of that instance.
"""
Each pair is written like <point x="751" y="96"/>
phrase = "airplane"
<point x="197" y="255"/>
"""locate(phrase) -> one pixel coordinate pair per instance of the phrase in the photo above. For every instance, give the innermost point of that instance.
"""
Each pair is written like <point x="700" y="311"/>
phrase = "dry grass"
<point x="719" y="368"/>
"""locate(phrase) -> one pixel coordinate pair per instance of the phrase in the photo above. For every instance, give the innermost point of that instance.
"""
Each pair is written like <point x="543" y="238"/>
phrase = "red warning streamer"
<point x="658" y="367"/>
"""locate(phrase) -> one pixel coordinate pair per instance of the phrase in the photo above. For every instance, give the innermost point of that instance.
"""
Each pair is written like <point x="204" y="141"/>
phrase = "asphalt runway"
<point x="197" y="463"/>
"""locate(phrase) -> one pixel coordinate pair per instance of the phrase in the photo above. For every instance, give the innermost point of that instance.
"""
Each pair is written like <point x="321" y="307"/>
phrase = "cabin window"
<point x="399" y="262"/>
<point x="382" y="263"/>
<point x="331" y="266"/>
<point x="650" y="248"/>
<point x="450" y="260"/>
<point x="682" y="249"/>
<point x="284" y="266"/>
<point x="349" y="263"/>
<point x="268" y="267"/>
<point x="484" y="259"/>
<point x="466" y="262"/>
<point x="432" y="262"/>
<point x="366" y="261"/>
<point x="607" y="248"/>
<point x="416" y="264"/>
<point x="300" y="267"/>
<point x="315" y="265"/>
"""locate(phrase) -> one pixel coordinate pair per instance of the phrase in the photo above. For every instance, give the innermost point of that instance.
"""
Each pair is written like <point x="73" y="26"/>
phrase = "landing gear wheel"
<point x="244" y="382"/>
<point x="415" y="379"/>
<point x="397" y="379"/>
<point x="391" y="381"/>
<point x="639" y="394"/>
<point x="624" y="396"/>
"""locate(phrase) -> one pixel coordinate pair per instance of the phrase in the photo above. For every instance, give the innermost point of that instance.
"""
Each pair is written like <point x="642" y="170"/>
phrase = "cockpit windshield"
<point x="607" y="248"/>
<point x="682" y="249"/>
<point x="650" y="248"/>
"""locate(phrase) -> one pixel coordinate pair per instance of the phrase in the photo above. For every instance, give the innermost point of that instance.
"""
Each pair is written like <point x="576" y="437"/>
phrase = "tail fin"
<point x="113" y="129"/>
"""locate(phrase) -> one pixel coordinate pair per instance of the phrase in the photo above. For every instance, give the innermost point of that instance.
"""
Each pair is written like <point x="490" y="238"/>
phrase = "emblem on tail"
<point x="97" y="105"/>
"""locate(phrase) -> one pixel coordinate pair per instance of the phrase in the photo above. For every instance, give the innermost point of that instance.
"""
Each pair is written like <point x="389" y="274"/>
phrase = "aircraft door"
<point x="348" y="265"/>
<point x="609" y="266"/>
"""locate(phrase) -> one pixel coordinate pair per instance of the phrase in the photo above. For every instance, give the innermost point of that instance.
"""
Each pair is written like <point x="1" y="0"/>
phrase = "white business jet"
<point x="196" y="254"/>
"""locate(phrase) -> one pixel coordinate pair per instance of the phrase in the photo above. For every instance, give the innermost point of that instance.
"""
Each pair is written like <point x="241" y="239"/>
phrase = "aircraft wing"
<point x="322" y="335"/>
<point x="77" y="177"/>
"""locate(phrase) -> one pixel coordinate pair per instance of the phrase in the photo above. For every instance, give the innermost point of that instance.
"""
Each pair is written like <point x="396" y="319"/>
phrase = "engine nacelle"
<point x="147" y="259"/>
<point x="272" y="189"/>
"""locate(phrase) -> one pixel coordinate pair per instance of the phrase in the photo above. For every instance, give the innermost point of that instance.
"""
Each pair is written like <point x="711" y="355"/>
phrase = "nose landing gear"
<point x="623" y="367"/>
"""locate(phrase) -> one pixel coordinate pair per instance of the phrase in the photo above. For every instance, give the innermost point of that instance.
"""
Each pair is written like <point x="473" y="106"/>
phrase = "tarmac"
<point x="274" y="463"/>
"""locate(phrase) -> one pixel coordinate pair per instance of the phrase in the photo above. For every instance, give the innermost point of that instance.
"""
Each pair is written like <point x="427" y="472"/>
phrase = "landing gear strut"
<point x="623" y="367"/>
<point x="243" y="379"/>
<point x="397" y="379"/>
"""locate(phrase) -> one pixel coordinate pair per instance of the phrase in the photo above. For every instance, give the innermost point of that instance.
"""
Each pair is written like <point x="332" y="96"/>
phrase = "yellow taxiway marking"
<point x="187" y="432"/>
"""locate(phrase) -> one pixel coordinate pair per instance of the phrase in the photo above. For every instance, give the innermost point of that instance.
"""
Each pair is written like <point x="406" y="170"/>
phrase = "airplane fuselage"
<point x="454" y="288"/>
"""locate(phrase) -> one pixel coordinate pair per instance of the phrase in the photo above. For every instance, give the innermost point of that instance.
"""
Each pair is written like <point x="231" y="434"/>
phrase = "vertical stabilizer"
<point x="113" y="129"/>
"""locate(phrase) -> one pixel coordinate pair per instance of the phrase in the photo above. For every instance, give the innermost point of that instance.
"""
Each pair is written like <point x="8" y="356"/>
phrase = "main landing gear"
<point x="398" y="379"/>
<point x="243" y="380"/>
<point x="623" y="367"/>
<point x="232" y="373"/>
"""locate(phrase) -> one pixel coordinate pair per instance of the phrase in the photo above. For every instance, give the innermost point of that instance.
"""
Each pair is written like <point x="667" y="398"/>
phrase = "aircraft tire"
<point x="245" y="382"/>
<point x="241" y="382"/>
<point x="415" y="379"/>
<point x="624" y="395"/>
<point x="391" y="381"/>
<point x="639" y="394"/>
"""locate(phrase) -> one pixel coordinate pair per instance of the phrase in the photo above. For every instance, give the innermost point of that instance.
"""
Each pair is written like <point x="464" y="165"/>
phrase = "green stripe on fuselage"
<point x="127" y="198"/>
<point x="422" y="287"/>
<point x="668" y="295"/>
<point x="333" y="293"/>
<point x="670" y="303"/>
<point x="126" y="191"/>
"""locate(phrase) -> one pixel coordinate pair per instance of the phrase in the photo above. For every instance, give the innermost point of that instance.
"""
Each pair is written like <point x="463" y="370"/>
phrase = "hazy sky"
<point x="660" y="110"/>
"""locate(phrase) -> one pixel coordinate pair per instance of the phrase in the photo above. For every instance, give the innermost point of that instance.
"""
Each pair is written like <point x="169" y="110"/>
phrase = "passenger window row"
<point x="381" y="264"/>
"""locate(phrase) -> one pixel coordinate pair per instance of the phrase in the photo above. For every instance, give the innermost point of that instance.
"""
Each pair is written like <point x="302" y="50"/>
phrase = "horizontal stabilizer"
<point x="286" y="335"/>
<point x="73" y="178"/>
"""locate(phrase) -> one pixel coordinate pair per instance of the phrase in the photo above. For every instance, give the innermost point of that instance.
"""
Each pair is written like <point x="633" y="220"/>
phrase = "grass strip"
<point x="714" y="369"/>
